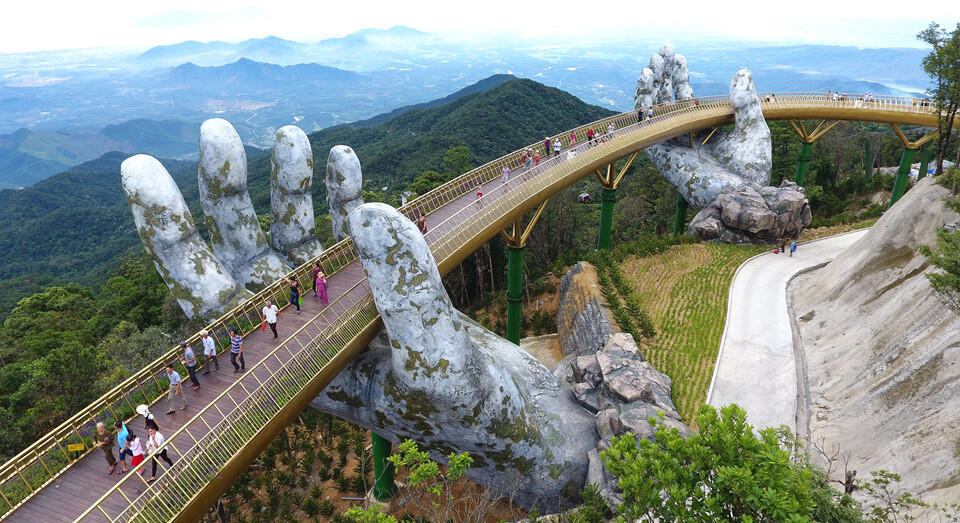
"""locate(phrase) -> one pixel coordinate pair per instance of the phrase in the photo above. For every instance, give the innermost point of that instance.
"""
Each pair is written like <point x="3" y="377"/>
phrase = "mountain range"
<point x="263" y="84"/>
<point x="76" y="226"/>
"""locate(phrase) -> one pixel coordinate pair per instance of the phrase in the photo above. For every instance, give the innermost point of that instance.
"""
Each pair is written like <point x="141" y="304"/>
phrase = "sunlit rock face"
<point x="749" y="216"/>
<point x="344" y="181"/>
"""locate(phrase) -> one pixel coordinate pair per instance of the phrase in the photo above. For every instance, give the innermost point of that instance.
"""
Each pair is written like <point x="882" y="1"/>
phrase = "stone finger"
<point x="746" y="150"/>
<point x="235" y="233"/>
<point x="681" y="78"/>
<point x="292" y="224"/>
<point x="344" y="181"/>
<point x="201" y="285"/>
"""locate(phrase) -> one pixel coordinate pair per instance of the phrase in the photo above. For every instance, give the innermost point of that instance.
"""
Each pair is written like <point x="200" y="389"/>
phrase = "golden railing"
<point x="48" y="458"/>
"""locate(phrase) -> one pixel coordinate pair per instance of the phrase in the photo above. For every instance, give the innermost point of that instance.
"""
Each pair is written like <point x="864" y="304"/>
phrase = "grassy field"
<point x="685" y="292"/>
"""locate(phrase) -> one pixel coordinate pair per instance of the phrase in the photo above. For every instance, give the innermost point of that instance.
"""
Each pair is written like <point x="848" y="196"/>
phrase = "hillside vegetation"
<point x="75" y="226"/>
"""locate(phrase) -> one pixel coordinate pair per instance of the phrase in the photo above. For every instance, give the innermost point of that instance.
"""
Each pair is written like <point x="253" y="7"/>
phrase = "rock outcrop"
<point x="624" y="392"/>
<point x="883" y="354"/>
<point x="583" y="317"/>
<point x="344" y="182"/>
<point x="754" y="216"/>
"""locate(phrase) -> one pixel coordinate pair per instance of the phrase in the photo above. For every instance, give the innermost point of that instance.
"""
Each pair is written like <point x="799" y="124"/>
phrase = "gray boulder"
<point x="752" y="216"/>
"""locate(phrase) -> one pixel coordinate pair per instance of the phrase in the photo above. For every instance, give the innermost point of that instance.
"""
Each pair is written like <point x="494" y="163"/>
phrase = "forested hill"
<point x="76" y="226"/>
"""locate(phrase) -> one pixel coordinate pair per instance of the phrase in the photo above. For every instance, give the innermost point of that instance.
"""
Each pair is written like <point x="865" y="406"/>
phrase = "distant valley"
<point x="58" y="109"/>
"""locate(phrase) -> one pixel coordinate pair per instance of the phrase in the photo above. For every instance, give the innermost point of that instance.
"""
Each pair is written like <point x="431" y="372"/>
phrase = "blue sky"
<point x="30" y="26"/>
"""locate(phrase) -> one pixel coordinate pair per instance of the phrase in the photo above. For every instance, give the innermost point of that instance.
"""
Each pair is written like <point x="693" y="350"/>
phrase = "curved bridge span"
<point x="237" y="415"/>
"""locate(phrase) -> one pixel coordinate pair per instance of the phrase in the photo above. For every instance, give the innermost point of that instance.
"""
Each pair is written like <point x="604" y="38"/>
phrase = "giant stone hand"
<point x="727" y="177"/>
<point x="206" y="283"/>
<point x="436" y="376"/>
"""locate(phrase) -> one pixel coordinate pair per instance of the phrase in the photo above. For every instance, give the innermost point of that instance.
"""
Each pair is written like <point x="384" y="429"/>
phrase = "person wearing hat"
<point x="209" y="351"/>
<point x="150" y="421"/>
<point x="189" y="360"/>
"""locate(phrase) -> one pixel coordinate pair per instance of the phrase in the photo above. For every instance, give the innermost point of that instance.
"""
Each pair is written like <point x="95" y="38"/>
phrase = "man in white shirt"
<point x="270" y="316"/>
<point x="209" y="351"/>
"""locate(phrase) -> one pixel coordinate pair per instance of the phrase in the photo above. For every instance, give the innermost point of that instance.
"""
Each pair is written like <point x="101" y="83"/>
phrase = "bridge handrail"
<point x="246" y="316"/>
<point x="220" y="442"/>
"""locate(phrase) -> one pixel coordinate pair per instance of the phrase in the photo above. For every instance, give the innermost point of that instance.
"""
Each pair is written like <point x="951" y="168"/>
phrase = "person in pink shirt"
<point x="321" y="285"/>
<point x="573" y="138"/>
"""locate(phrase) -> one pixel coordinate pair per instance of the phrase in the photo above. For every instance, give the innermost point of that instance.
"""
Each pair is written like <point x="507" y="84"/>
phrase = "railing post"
<point x="801" y="176"/>
<point x="900" y="184"/>
<point x="384" y="489"/>
<point x="514" y="293"/>
<point x="607" y="198"/>
<point x="925" y="155"/>
<point x="680" y="218"/>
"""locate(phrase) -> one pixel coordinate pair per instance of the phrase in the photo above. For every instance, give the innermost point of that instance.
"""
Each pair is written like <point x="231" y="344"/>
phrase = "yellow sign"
<point x="75" y="446"/>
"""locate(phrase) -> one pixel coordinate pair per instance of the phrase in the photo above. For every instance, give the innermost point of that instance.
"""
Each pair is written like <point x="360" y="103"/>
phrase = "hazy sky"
<point x="35" y="25"/>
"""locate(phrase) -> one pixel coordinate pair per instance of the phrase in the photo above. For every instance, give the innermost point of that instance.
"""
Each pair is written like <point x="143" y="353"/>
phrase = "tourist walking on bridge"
<point x="546" y="146"/>
<point x="505" y="175"/>
<point x="236" y="351"/>
<point x="270" y="314"/>
<point x="590" y="136"/>
<point x="536" y="159"/>
<point x="556" y="147"/>
<point x="573" y="138"/>
<point x="175" y="390"/>
<point x="209" y="351"/>
<point x="422" y="223"/>
<point x="122" y="433"/>
<point x="294" y="293"/>
<point x="133" y="443"/>
<point x="316" y="270"/>
<point x="322" y="280"/>
<point x="189" y="361"/>
<point x="104" y="439"/>
<point x="154" y="443"/>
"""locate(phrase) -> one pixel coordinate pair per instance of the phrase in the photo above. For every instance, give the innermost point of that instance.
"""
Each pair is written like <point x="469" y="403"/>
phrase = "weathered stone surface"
<point x="292" y="224"/>
<point x="586" y="369"/>
<point x="441" y="379"/>
<point x="586" y="395"/>
<point x="729" y="162"/>
<point x="344" y="181"/>
<point x="882" y="353"/>
<point x="608" y="423"/>
<point x="235" y="233"/>
<point x="583" y="317"/>
<point x="201" y="285"/>
<point x="754" y="216"/>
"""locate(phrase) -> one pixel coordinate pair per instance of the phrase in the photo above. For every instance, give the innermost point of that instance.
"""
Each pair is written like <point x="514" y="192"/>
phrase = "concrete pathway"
<point x="755" y="367"/>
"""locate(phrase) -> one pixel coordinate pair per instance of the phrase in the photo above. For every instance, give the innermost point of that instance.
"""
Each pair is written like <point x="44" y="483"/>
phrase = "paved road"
<point x="756" y="367"/>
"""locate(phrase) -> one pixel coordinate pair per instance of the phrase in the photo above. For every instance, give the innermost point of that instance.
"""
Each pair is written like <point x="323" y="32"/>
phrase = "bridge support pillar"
<point x="609" y="181"/>
<point x="514" y="293"/>
<point x="926" y="154"/>
<point x="804" y="162"/>
<point x="900" y="184"/>
<point x="607" y="199"/>
<point x="680" y="218"/>
<point x="867" y="162"/>
<point x="384" y="489"/>
<point x="516" y="241"/>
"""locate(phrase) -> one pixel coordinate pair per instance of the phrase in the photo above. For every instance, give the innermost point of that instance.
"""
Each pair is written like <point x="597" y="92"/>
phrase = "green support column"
<point x="680" y="218"/>
<point x="514" y="293"/>
<point x="926" y="154"/>
<point x="384" y="489"/>
<point x="802" y="164"/>
<point x="867" y="162"/>
<point x="900" y="184"/>
<point x="607" y="199"/>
